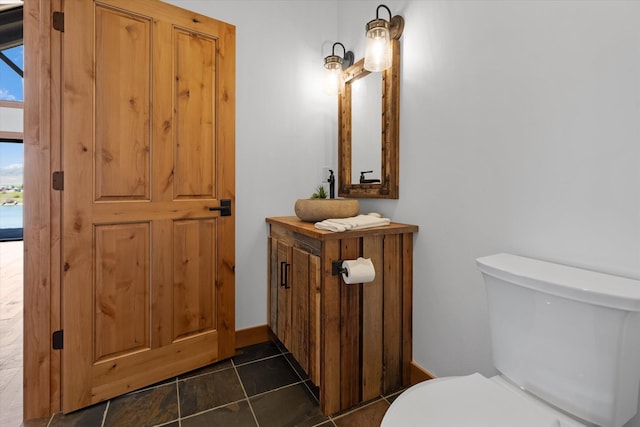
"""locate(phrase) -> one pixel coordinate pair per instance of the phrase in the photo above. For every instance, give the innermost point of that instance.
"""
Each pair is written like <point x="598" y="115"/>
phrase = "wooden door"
<point x="148" y="148"/>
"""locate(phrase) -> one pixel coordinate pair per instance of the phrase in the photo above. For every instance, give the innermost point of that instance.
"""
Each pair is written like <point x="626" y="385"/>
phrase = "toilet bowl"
<point x="472" y="401"/>
<point x="565" y="343"/>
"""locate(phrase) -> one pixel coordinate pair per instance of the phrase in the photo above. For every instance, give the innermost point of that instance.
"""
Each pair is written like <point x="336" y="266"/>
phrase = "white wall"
<point x="520" y="132"/>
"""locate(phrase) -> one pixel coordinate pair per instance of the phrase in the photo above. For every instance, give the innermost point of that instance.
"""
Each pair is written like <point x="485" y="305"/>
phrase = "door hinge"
<point x="58" y="21"/>
<point x="57" y="340"/>
<point x="58" y="180"/>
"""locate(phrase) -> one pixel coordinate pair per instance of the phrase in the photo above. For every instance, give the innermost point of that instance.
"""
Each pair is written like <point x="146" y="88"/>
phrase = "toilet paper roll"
<point x="358" y="271"/>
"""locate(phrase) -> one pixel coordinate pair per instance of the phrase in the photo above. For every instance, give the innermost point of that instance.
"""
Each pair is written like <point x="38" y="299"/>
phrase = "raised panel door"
<point x="148" y="131"/>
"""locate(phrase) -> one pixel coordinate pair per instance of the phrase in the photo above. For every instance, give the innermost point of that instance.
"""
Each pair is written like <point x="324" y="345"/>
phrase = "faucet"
<point x="364" y="180"/>
<point x="332" y="185"/>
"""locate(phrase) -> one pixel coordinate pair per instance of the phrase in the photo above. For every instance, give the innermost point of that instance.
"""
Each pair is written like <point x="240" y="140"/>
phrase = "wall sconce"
<point x="333" y="66"/>
<point x="379" y="33"/>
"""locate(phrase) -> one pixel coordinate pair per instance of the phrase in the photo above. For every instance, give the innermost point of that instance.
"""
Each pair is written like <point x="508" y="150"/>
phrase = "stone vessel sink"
<point x="313" y="210"/>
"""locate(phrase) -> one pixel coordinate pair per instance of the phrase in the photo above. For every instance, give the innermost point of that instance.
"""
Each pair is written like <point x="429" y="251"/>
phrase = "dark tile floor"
<point x="262" y="386"/>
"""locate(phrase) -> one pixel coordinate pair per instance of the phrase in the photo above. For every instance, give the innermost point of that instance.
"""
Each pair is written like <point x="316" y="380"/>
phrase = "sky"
<point x="11" y="163"/>
<point x="11" y="89"/>
<point x="10" y="81"/>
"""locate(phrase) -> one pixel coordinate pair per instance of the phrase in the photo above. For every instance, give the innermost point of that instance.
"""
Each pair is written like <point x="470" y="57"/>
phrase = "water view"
<point x="11" y="216"/>
<point x="11" y="190"/>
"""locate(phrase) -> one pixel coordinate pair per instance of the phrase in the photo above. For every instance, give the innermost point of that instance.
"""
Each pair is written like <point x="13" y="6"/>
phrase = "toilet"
<point x="566" y="342"/>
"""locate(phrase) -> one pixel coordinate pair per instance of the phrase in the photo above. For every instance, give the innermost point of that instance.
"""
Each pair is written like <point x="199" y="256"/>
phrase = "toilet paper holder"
<point x="337" y="269"/>
<point x="358" y="271"/>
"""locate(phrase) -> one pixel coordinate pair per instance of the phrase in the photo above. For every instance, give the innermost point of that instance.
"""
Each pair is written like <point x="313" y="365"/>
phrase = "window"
<point x="11" y="122"/>
<point x="11" y="70"/>
<point x="11" y="189"/>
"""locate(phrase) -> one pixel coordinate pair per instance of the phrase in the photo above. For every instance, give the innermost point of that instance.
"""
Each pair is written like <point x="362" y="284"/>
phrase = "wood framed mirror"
<point x="368" y="165"/>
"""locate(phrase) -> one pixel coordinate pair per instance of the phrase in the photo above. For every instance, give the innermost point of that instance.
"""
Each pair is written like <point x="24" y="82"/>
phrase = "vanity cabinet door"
<point x="283" y="301"/>
<point x="305" y="313"/>
<point x="295" y="303"/>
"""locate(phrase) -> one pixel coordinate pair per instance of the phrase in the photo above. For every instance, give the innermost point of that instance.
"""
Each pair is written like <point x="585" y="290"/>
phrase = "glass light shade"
<point x="332" y="80"/>
<point x="377" y="56"/>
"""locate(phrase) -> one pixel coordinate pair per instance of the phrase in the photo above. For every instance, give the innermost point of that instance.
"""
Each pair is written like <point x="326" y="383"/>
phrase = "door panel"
<point x="123" y="103"/>
<point x="194" y="174"/>
<point x="148" y="131"/>
<point x="121" y="289"/>
<point x="193" y="276"/>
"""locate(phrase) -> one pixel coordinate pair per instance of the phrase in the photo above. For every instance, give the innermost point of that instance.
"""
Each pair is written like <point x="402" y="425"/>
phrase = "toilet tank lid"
<point x="564" y="281"/>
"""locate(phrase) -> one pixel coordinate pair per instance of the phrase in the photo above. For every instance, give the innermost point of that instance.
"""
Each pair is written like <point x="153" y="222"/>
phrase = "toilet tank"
<point x="567" y="335"/>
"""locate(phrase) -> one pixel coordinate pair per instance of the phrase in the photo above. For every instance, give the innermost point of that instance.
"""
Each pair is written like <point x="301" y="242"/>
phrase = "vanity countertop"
<point x="308" y="229"/>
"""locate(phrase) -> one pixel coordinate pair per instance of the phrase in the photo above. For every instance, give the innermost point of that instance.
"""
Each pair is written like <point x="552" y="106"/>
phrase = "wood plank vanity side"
<point x="315" y="280"/>
<point x="350" y="331"/>
<point x="407" y="307"/>
<point x="392" y="314"/>
<point x="372" y="321"/>
<point x="330" y="372"/>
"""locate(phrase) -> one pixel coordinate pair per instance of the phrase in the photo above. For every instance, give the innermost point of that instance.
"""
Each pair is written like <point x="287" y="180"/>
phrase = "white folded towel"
<point x="353" y="223"/>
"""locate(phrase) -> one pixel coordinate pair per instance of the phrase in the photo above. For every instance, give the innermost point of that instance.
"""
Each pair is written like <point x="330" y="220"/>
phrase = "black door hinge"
<point x="58" y="180"/>
<point x="58" y="21"/>
<point x="57" y="339"/>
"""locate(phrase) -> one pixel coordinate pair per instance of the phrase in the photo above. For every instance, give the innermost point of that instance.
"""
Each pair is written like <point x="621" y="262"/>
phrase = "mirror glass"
<point x="368" y="131"/>
<point x="366" y="126"/>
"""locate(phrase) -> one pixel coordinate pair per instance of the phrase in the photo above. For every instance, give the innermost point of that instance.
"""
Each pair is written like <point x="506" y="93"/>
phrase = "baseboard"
<point x="253" y="335"/>
<point x="419" y="374"/>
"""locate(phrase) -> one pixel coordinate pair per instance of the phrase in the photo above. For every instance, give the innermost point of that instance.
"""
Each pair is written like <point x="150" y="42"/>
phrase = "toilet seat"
<point x="472" y="400"/>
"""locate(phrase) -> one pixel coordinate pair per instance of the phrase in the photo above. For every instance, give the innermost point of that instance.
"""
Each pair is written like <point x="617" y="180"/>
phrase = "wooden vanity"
<point x="354" y="341"/>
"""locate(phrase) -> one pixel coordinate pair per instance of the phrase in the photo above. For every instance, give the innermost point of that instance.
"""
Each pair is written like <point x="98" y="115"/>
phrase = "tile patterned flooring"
<point x="262" y="386"/>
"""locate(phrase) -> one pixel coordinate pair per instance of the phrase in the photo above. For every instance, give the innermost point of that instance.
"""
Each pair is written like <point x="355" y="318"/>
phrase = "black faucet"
<point x="364" y="180"/>
<point x="332" y="185"/>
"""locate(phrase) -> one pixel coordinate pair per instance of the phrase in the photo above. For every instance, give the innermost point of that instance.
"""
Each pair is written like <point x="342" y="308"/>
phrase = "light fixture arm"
<point x="396" y="23"/>
<point x="333" y="48"/>
<point x="348" y="57"/>
<point x="388" y="11"/>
